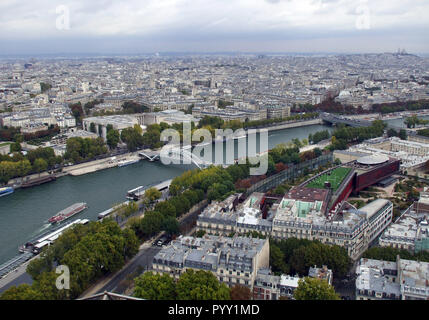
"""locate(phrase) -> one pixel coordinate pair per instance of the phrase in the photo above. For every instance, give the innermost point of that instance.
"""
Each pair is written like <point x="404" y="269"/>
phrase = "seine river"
<point x="24" y="214"/>
<point x="400" y="122"/>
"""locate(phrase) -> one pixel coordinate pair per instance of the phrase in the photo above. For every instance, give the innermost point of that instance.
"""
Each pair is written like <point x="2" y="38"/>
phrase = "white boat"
<point x="124" y="163"/>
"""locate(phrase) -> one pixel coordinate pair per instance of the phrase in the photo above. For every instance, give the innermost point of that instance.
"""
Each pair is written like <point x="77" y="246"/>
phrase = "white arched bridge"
<point x="176" y="155"/>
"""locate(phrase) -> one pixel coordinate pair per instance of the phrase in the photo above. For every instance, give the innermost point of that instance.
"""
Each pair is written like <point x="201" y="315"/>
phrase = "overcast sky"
<point x="145" y="26"/>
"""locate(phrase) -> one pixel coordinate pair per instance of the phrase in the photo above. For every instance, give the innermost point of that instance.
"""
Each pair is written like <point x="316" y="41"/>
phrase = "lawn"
<point x="335" y="177"/>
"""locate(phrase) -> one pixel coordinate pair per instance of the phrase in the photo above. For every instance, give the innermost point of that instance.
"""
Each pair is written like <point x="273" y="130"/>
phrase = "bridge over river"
<point x="357" y="123"/>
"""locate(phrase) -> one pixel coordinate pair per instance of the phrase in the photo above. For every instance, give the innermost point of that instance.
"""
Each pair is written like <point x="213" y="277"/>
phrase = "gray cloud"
<point x="223" y="24"/>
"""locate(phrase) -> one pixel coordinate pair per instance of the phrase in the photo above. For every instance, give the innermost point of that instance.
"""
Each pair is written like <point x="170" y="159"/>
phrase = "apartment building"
<point x="351" y="229"/>
<point x="278" y="112"/>
<point x="303" y="219"/>
<point x="386" y="280"/>
<point x="271" y="287"/>
<point x="410" y="231"/>
<point x="235" y="260"/>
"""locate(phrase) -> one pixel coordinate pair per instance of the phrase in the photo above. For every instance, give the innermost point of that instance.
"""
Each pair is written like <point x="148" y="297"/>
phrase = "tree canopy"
<point x="152" y="286"/>
<point x="200" y="285"/>
<point x="296" y="256"/>
<point x="315" y="289"/>
<point x="90" y="251"/>
<point x="191" y="285"/>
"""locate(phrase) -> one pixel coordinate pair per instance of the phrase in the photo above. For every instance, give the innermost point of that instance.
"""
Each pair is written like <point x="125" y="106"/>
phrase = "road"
<point x="21" y="279"/>
<point x="16" y="277"/>
<point x="119" y="282"/>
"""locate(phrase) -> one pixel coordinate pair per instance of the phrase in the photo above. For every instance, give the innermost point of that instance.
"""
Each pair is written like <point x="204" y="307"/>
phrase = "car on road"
<point x="162" y="241"/>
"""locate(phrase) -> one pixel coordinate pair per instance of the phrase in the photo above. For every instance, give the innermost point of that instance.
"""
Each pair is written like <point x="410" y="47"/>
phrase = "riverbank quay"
<point x="97" y="165"/>
<point x="77" y="169"/>
<point x="288" y="125"/>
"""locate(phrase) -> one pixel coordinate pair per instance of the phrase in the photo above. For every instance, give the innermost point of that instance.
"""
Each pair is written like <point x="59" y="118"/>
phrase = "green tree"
<point x="165" y="208"/>
<point x="79" y="149"/>
<point x="46" y="285"/>
<point x="21" y="292"/>
<point x="15" y="147"/>
<point x="315" y="289"/>
<point x="23" y="168"/>
<point x="152" y="136"/>
<point x="200" y="285"/>
<point x="131" y="243"/>
<point x="132" y="138"/>
<point x="37" y="266"/>
<point x="152" y="286"/>
<point x="112" y="138"/>
<point x="6" y="171"/>
<point x="90" y="251"/>
<point x="403" y="134"/>
<point x="152" y="194"/>
<point x="392" y="133"/>
<point x="170" y="225"/>
<point x="277" y="260"/>
<point x="200" y="233"/>
<point x="45" y="86"/>
<point x="151" y="224"/>
<point x="40" y="165"/>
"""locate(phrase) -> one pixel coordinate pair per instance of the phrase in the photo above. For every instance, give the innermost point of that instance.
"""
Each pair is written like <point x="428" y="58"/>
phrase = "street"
<point x="119" y="282"/>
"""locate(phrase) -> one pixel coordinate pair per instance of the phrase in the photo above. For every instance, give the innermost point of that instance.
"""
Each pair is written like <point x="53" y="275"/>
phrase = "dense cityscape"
<point x="90" y="209"/>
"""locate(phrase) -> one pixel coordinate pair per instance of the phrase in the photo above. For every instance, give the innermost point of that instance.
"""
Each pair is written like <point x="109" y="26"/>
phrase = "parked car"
<point x="163" y="241"/>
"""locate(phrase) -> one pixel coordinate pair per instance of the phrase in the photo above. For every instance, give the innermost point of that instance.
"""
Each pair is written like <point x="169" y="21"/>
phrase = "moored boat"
<point x="6" y="191"/>
<point x="124" y="163"/>
<point x="38" y="181"/>
<point x="68" y="212"/>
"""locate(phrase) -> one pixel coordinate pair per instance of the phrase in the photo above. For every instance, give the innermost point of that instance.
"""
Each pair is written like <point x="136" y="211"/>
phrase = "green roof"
<point x="335" y="177"/>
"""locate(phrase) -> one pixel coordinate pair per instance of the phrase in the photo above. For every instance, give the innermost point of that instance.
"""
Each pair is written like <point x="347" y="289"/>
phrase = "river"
<point x="400" y="122"/>
<point x="24" y="214"/>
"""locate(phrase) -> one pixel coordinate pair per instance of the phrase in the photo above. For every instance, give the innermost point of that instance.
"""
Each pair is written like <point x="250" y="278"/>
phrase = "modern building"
<point x="168" y="116"/>
<point x="385" y="280"/>
<point x="118" y="122"/>
<point x="235" y="260"/>
<point x="412" y="154"/>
